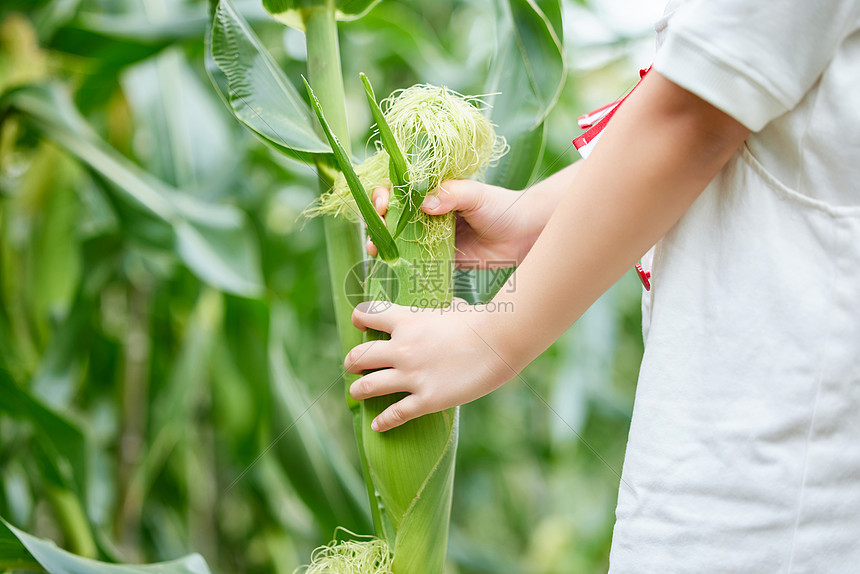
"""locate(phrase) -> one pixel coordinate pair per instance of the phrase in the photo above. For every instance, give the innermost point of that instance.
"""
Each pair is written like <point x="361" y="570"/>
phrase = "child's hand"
<point x="442" y="357"/>
<point x="493" y="225"/>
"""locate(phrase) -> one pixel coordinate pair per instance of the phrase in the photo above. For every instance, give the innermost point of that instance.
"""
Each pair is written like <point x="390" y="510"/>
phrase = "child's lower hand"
<point x="490" y="227"/>
<point x="442" y="357"/>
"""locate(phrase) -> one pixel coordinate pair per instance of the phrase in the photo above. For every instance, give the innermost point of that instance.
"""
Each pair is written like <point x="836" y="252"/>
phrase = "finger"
<point x="369" y="355"/>
<point x="371" y="248"/>
<point x="463" y="195"/>
<point x="377" y="384"/>
<point x="380" y="200"/>
<point x="406" y="409"/>
<point x="378" y="315"/>
<point x="379" y="197"/>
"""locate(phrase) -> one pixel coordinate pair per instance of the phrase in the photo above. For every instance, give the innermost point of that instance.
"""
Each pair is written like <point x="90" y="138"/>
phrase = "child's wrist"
<point x="495" y="326"/>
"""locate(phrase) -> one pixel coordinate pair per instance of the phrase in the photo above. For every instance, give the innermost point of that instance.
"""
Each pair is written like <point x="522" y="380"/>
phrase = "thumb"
<point x="463" y="195"/>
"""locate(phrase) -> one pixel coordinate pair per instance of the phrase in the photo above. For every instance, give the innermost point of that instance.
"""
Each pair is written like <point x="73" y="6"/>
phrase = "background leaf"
<point x="528" y="75"/>
<point x="213" y="240"/>
<point x="256" y="89"/>
<point x="184" y="135"/>
<point x="31" y="551"/>
<point x="289" y="12"/>
<point x="64" y="439"/>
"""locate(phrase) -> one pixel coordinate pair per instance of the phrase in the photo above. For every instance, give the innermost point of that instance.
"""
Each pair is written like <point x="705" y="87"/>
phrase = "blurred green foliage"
<point x="170" y="383"/>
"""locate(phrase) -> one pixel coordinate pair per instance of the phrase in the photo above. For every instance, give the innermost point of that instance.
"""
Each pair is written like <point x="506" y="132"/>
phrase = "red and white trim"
<point x="595" y="122"/>
<point x="588" y="120"/>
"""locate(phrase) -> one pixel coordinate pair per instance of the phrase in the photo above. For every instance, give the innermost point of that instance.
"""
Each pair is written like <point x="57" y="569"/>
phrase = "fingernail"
<point x="378" y="203"/>
<point x="374" y="425"/>
<point x="431" y="202"/>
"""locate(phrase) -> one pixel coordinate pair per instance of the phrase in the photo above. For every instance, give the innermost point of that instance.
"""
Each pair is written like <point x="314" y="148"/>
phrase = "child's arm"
<point x="656" y="156"/>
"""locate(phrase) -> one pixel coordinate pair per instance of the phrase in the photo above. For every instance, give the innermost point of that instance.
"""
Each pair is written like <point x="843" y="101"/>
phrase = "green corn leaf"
<point x="292" y="12"/>
<point x="397" y="163"/>
<point x="418" y="191"/>
<point x="412" y="466"/>
<point x="62" y="456"/>
<point x="255" y="88"/>
<point x="413" y="472"/>
<point x="173" y="407"/>
<point x="19" y="550"/>
<point x="375" y="226"/>
<point x="13" y="554"/>
<point x="214" y="241"/>
<point x="61" y="437"/>
<point x="172" y="105"/>
<point x="318" y="469"/>
<point x="412" y="203"/>
<point x="527" y="78"/>
<point x="303" y="448"/>
<point x="422" y="538"/>
<point x="132" y="23"/>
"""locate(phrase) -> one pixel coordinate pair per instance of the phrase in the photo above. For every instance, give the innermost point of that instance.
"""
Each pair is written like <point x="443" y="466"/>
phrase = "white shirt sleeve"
<point x="753" y="59"/>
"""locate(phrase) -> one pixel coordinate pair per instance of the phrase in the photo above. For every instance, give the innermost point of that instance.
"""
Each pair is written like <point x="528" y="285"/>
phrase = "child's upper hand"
<point x="492" y="224"/>
<point x="442" y="357"/>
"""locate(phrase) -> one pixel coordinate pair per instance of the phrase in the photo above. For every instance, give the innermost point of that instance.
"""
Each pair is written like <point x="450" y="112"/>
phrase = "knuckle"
<point x="479" y="199"/>
<point x="365" y="387"/>
<point x="396" y="414"/>
<point x="422" y="385"/>
<point x="404" y="349"/>
<point x="451" y="186"/>
<point x="462" y="187"/>
<point x="351" y="357"/>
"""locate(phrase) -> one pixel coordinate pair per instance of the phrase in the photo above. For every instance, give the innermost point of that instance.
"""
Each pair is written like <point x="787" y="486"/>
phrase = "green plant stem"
<point x="136" y="356"/>
<point x="344" y="243"/>
<point x="73" y="521"/>
<point x="324" y="69"/>
<point x="343" y="238"/>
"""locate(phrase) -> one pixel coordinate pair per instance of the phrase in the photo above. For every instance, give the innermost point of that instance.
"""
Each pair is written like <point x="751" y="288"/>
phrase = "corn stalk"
<point x="409" y="470"/>
<point x="343" y="237"/>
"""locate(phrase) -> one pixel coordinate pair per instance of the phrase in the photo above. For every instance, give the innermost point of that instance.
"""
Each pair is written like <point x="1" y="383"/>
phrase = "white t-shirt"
<point x="744" y="449"/>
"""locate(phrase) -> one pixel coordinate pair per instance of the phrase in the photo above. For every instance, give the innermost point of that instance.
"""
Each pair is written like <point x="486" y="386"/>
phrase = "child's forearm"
<point x="543" y="197"/>
<point x="659" y="152"/>
<point x="656" y="156"/>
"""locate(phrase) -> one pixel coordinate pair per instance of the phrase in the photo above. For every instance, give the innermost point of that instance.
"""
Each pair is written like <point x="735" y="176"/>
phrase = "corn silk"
<point x="444" y="135"/>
